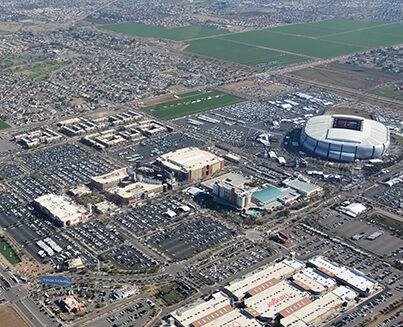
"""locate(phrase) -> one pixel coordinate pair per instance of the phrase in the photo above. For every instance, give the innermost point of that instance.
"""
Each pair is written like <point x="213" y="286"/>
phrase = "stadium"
<point x="345" y="137"/>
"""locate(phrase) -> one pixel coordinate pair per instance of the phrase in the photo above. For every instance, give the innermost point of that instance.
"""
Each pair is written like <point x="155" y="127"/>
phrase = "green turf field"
<point x="188" y="94"/>
<point x="148" y="31"/>
<point x="8" y="252"/>
<point x="324" y="27"/>
<point x="366" y="38"/>
<point x="299" y="45"/>
<point x="388" y="93"/>
<point x="200" y="30"/>
<point x="190" y="105"/>
<point x="4" y="125"/>
<point x="241" y="53"/>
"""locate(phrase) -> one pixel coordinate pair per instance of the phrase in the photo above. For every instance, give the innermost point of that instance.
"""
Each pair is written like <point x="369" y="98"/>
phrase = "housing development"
<point x="232" y="163"/>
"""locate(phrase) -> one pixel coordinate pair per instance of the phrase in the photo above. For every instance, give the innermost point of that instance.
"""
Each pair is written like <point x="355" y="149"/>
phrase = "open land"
<point x="8" y="252"/>
<point x="9" y="318"/>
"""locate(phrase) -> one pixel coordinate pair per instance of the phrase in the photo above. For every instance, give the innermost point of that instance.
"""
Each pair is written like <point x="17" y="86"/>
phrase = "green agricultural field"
<point x="190" y="105"/>
<point x="148" y="31"/>
<point x="298" y="45"/>
<point x="4" y="125"/>
<point x="390" y="29"/>
<point x="366" y="38"/>
<point x="200" y="30"/>
<point x="8" y="252"/>
<point x="188" y="94"/>
<point x="241" y="53"/>
<point x="388" y="93"/>
<point x="325" y="27"/>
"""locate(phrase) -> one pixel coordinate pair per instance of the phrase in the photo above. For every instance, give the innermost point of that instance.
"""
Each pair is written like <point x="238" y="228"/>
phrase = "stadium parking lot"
<point x="79" y="171"/>
<point x="156" y="146"/>
<point x="96" y="236"/>
<point x="8" y="200"/>
<point x="128" y="257"/>
<point x="11" y="171"/>
<point x="166" y="211"/>
<point x="31" y="187"/>
<point x="190" y="237"/>
<point x="233" y="260"/>
<point x="30" y="230"/>
<point x="43" y="159"/>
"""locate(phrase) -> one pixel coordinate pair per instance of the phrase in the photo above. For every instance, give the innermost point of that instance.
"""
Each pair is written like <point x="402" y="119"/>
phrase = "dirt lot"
<point x="9" y="318"/>
<point x="354" y="77"/>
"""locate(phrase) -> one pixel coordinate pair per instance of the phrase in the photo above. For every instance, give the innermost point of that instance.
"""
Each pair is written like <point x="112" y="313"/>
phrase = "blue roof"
<point x="267" y="194"/>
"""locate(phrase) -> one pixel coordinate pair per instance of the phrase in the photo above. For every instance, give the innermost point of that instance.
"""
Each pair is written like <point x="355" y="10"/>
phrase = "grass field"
<point x="367" y="38"/>
<point x="4" y="125"/>
<point x="190" y="105"/>
<point x="388" y="93"/>
<point x="324" y="27"/>
<point x="8" y="252"/>
<point x="241" y="53"/>
<point x="9" y="318"/>
<point x="299" y="45"/>
<point x="188" y="94"/>
<point x="176" y="34"/>
<point x="200" y="30"/>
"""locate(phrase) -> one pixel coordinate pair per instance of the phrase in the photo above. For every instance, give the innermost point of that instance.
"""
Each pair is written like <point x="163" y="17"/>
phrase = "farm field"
<point x="190" y="105"/>
<point x="345" y="75"/>
<point x="366" y="38"/>
<point x="299" y="45"/>
<point x="188" y="94"/>
<point x="242" y="53"/>
<point x="325" y="27"/>
<point x="176" y="34"/>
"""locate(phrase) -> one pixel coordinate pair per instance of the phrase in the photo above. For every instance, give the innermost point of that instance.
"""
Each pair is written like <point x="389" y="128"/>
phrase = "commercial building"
<point x="346" y="275"/>
<point x="217" y="311"/>
<point x="61" y="209"/>
<point x="271" y="197"/>
<point x="302" y="186"/>
<point x="279" y="271"/>
<point x="72" y="304"/>
<point x="191" y="163"/>
<point x="232" y="195"/>
<point x="353" y="209"/>
<point x="314" y="312"/>
<point x="312" y="280"/>
<point x="345" y="137"/>
<point x="135" y="191"/>
<point x="109" y="180"/>
<point x="124" y="292"/>
<point x="237" y="179"/>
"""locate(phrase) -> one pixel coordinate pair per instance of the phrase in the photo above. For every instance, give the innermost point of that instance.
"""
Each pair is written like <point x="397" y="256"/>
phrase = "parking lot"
<point x="96" y="236"/>
<point x="136" y="314"/>
<point x="390" y="196"/>
<point x="10" y="171"/>
<point x="232" y="260"/>
<point x="78" y="171"/>
<point x="151" y="148"/>
<point x="348" y="227"/>
<point x="190" y="237"/>
<point x="144" y="220"/>
<point x="31" y="187"/>
<point x="129" y="258"/>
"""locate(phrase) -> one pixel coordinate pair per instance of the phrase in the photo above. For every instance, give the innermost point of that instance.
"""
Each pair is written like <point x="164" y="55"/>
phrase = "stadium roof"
<point x="370" y="133"/>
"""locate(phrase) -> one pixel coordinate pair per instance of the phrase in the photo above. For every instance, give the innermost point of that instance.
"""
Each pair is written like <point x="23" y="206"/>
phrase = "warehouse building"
<point x="61" y="209"/>
<point x="302" y="186"/>
<point x="191" y="163"/>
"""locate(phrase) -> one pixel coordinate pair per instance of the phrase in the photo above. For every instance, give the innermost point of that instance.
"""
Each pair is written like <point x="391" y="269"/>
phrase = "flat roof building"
<point x="61" y="209"/>
<point x="134" y="191"/>
<point x="109" y="180"/>
<point x="216" y="312"/>
<point x="191" y="163"/>
<point x="302" y="186"/>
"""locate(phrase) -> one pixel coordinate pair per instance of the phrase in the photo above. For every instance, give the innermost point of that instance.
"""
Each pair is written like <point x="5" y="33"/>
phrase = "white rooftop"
<point x="61" y="207"/>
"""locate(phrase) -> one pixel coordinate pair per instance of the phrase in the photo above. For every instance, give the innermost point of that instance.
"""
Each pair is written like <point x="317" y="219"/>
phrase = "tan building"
<point x="135" y="191"/>
<point x="191" y="163"/>
<point x="109" y="180"/>
<point x="72" y="304"/>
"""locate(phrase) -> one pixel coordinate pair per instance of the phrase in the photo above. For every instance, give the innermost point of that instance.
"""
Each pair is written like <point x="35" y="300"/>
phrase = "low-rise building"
<point x="191" y="163"/>
<point x="109" y="180"/>
<point x="61" y="209"/>
<point x="72" y="304"/>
